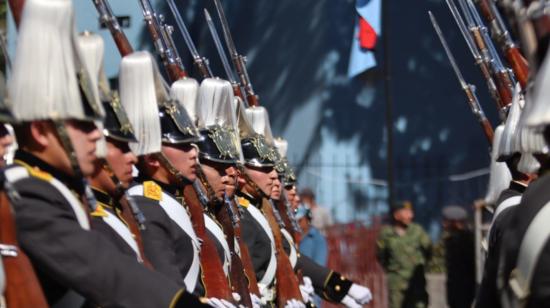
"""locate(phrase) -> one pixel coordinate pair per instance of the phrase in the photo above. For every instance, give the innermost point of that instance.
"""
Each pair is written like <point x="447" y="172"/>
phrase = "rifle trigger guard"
<point x="8" y="250"/>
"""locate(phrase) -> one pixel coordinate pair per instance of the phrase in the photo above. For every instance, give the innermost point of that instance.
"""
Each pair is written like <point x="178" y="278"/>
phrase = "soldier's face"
<point x="184" y="158"/>
<point x="83" y="136"/>
<point x="216" y="176"/>
<point x="276" y="190"/>
<point x="263" y="177"/>
<point x="293" y="197"/>
<point x="230" y="181"/>
<point x="404" y="216"/>
<point x="120" y="160"/>
<point x="5" y="140"/>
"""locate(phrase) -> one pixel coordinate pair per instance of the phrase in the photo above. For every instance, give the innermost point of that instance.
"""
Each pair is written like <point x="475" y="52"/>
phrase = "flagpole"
<point x="389" y="106"/>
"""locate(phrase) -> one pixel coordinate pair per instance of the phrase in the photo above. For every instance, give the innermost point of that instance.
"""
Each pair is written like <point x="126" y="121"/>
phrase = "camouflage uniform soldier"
<point x="404" y="250"/>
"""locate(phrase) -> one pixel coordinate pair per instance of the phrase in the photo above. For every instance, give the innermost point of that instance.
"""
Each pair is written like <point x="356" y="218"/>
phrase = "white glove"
<point x="350" y="302"/>
<point x="360" y="294"/>
<point x="307" y="290"/>
<point x="294" y="304"/>
<point x="256" y="301"/>
<point x="219" y="303"/>
<point x="266" y="294"/>
<point x="236" y="296"/>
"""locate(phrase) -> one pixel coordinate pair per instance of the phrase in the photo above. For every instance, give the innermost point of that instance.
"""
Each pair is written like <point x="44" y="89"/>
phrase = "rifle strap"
<point x="217" y="231"/>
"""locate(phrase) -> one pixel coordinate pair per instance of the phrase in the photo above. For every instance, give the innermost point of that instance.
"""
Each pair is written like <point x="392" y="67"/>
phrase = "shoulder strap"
<point x="269" y="274"/>
<point x="506" y="204"/>
<point x="531" y="247"/>
<point x="15" y="174"/>
<point x="293" y="254"/>
<point x="122" y="230"/>
<point x="211" y="225"/>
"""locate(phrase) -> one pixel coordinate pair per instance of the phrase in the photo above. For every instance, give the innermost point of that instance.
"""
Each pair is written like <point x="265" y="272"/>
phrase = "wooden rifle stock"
<point x="238" y="280"/>
<point x="16" y="7"/>
<point x="482" y="119"/>
<point x="504" y="87"/>
<point x="287" y="220"/>
<point x="519" y="65"/>
<point x="22" y="289"/>
<point x="245" y="257"/>
<point x="134" y="228"/>
<point x="109" y="20"/>
<point x="213" y="277"/>
<point x="287" y="283"/>
<point x="174" y="71"/>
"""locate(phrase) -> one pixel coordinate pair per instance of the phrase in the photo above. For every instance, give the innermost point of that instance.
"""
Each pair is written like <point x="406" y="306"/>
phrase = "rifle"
<point x="239" y="61"/>
<point x="288" y="219"/>
<point x="131" y="214"/>
<point x="201" y="63"/>
<point x="213" y="277"/>
<point x="167" y="54"/>
<point x="229" y="221"/>
<point x="500" y="33"/>
<point x="107" y="18"/>
<point x="287" y="284"/>
<point x="494" y="74"/>
<point x="226" y="220"/>
<point x="23" y="288"/>
<point x="469" y="89"/>
<point x="245" y="254"/>
<point x="504" y="76"/>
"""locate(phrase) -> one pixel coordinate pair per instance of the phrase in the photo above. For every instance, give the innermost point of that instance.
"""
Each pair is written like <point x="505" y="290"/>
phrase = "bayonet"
<point x="469" y="89"/>
<point x="200" y="62"/>
<point x="238" y="60"/>
<point x="219" y="47"/>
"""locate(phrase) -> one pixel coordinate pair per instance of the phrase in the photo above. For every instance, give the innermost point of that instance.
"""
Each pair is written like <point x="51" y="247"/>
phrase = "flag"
<point x="367" y="29"/>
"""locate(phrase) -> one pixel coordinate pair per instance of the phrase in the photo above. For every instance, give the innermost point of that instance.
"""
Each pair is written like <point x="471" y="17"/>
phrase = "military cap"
<point x="454" y="212"/>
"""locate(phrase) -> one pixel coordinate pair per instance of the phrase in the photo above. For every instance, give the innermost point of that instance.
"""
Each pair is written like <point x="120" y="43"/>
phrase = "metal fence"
<point x="352" y="252"/>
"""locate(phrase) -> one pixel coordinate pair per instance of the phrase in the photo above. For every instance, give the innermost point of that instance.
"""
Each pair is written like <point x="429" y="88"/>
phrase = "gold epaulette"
<point x="243" y="202"/>
<point x="99" y="211"/>
<point x="152" y="190"/>
<point x="35" y="172"/>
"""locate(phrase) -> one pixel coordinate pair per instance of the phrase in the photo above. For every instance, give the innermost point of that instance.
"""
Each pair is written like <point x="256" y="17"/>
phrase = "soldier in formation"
<point x="516" y="269"/>
<point x="167" y="195"/>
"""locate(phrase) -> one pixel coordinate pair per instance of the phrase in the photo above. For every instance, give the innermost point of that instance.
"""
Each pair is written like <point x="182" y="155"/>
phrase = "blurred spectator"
<point x="313" y="244"/>
<point x="404" y="250"/>
<point x="321" y="217"/>
<point x="459" y="257"/>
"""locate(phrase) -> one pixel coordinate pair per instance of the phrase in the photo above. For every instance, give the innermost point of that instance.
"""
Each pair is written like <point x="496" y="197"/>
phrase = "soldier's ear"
<point x="43" y="133"/>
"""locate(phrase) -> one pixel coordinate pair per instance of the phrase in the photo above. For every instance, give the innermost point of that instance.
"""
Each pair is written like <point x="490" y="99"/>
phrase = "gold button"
<point x="337" y="288"/>
<point x="342" y="278"/>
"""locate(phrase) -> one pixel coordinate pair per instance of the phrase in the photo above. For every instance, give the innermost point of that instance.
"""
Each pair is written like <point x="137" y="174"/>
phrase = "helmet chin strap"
<point x="73" y="159"/>
<point x="121" y="192"/>
<point x="210" y="194"/>
<point x="182" y="180"/>
<point x="252" y="184"/>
